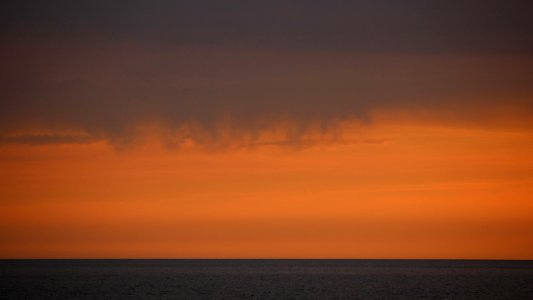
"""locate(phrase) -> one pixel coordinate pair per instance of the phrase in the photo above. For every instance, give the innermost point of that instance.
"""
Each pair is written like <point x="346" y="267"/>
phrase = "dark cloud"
<point x="370" y="26"/>
<point x="204" y="70"/>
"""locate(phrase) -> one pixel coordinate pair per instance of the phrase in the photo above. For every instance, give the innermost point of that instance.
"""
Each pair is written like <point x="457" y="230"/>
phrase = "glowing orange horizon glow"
<point x="397" y="190"/>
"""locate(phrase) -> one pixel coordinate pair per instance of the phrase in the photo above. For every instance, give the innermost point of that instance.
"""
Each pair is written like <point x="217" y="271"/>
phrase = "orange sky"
<point x="395" y="188"/>
<point x="279" y="129"/>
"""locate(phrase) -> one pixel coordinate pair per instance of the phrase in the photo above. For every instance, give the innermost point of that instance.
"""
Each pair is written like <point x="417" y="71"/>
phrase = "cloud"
<point x="414" y="26"/>
<point x="212" y="72"/>
<point x="45" y="139"/>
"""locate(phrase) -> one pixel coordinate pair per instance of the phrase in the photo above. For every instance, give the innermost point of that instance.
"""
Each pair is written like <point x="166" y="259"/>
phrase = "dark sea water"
<point x="265" y="279"/>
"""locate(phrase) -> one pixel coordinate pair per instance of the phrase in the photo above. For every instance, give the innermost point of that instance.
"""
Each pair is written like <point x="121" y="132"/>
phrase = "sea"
<point x="265" y="279"/>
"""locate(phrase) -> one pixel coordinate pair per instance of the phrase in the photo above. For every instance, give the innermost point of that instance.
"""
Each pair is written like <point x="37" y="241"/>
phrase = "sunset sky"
<point x="273" y="129"/>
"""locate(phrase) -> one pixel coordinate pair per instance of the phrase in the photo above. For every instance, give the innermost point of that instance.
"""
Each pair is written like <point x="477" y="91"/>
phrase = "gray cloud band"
<point x="105" y="69"/>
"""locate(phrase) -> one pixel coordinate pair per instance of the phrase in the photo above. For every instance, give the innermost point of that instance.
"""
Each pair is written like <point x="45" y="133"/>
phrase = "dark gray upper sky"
<point x="368" y="25"/>
<point x="104" y="66"/>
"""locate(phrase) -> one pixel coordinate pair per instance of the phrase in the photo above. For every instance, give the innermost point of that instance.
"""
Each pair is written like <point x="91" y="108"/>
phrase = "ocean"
<point x="265" y="279"/>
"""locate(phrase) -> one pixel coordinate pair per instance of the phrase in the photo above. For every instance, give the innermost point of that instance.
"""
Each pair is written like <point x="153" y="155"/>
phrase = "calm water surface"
<point x="265" y="279"/>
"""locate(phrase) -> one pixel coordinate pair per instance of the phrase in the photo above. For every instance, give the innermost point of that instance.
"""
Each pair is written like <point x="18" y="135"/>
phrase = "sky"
<point x="275" y="129"/>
